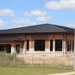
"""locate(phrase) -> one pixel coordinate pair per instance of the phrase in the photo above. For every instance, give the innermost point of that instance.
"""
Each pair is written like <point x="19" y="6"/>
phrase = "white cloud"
<point x="7" y="12"/>
<point x="61" y="5"/>
<point x="41" y="15"/>
<point x="72" y="25"/>
<point x="23" y="21"/>
<point x="44" y="18"/>
<point x="35" y="13"/>
<point x="2" y="23"/>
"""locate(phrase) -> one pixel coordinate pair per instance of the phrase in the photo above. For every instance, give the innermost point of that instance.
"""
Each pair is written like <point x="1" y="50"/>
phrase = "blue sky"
<point x="18" y="13"/>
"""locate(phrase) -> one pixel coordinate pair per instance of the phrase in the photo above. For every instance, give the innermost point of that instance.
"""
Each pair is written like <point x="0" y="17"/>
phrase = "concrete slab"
<point x="68" y="73"/>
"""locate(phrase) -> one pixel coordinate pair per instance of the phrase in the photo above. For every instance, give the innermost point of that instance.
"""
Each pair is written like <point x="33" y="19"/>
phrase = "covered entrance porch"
<point x="10" y="45"/>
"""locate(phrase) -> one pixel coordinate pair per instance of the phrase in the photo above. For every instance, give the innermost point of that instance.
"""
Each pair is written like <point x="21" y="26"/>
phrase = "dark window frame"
<point x="69" y="45"/>
<point x="39" y="45"/>
<point x="51" y="45"/>
<point x="27" y="45"/>
<point x="58" y="45"/>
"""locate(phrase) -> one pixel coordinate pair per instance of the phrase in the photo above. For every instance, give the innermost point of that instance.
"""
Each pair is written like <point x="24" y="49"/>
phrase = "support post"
<point x="24" y="48"/>
<point x="13" y="48"/>
<point x="53" y="45"/>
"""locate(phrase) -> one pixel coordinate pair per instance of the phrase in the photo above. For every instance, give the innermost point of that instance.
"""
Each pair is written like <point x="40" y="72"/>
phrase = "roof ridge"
<point x="59" y="28"/>
<point x="66" y="27"/>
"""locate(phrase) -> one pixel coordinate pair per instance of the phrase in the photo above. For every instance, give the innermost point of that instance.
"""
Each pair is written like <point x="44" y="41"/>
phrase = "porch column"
<point x="31" y="46"/>
<point x="24" y="47"/>
<point x="53" y="45"/>
<point x="64" y="45"/>
<point x="13" y="48"/>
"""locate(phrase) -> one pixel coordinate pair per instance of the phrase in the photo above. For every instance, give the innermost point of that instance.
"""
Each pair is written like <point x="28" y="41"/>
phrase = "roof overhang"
<point x="10" y="39"/>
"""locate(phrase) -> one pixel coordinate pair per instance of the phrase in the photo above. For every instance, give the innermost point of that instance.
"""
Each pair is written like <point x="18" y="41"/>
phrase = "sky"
<point x="20" y="13"/>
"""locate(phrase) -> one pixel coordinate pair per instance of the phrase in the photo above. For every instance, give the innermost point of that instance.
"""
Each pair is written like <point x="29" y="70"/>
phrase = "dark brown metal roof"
<point x="42" y="28"/>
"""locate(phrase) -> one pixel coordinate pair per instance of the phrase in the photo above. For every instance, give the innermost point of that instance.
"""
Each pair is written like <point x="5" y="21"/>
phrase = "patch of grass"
<point x="32" y="70"/>
<point x="10" y="60"/>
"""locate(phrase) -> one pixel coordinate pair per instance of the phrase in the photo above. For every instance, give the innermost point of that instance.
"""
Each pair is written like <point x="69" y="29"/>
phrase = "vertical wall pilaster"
<point x="47" y="46"/>
<point x="64" y="45"/>
<point x="31" y="45"/>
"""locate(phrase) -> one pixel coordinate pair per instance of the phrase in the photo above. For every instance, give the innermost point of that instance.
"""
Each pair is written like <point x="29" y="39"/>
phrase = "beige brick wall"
<point x="46" y="37"/>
